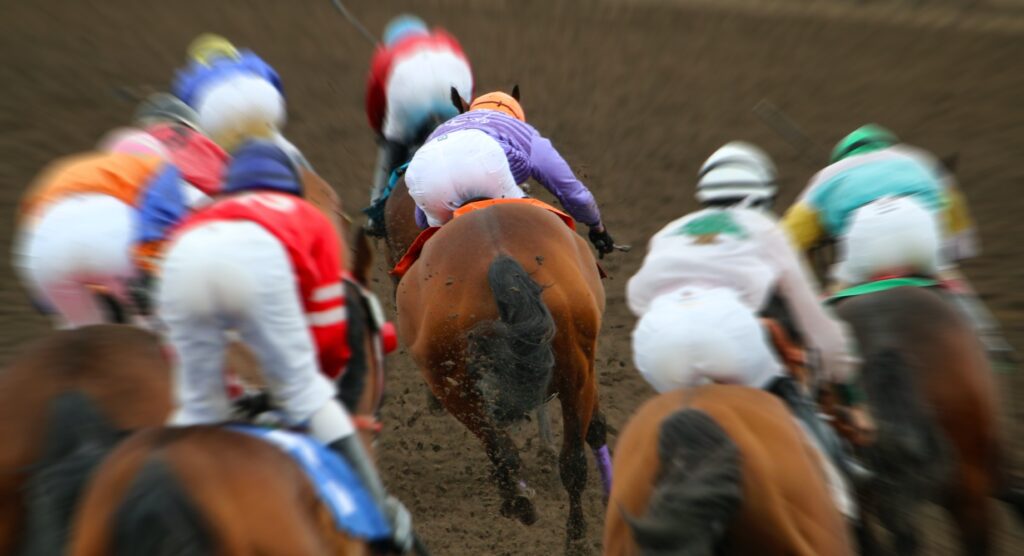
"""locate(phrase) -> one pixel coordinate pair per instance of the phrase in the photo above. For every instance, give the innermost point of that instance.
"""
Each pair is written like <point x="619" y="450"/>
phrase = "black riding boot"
<point x="788" y="390"/>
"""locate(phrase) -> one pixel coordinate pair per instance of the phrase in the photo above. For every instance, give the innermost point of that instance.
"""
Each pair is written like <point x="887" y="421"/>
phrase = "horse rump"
<point x="698" y="491"/>
<point x="156" y="516"/>
<point x="512" y="358"/>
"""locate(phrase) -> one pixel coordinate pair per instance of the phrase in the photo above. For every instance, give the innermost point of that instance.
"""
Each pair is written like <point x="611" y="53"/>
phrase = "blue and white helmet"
<point x="262" y="164"/>
<point x="737" y="171"/>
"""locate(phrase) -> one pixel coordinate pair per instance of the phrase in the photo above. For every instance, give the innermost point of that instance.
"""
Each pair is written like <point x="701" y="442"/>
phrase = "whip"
<point x="355" y="22"/>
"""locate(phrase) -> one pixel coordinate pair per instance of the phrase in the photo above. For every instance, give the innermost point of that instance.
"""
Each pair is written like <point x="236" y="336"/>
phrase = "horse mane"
<point x="156" y="516"/>
<point x="910" y="455"/>
<point x="78" y="438"/>
<point x="512" y="358"/>
<point x="698" y="491"/>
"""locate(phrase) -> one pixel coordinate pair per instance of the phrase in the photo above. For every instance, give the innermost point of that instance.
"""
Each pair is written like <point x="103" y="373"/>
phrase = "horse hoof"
<point x="520" y="507"/>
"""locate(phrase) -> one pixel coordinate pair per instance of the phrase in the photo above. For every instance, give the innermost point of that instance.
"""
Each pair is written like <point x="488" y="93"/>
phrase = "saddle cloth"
<point x="337" y="486"/>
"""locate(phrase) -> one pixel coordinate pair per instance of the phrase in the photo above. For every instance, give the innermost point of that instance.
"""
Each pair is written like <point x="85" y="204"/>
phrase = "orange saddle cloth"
<point x="413" y="253"/>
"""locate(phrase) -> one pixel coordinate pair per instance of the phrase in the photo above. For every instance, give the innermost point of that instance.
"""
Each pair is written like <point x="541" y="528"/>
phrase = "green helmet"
<point x="864" y="139"/>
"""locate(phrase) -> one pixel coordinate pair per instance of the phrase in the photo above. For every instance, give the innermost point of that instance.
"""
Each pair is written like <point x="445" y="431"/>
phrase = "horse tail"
<point x="78" y="437"/>
<point x="910" y="455"/>
<point x="698" y="491"/>
<point x="157" y="517"/>
<point x="512" y="358"/>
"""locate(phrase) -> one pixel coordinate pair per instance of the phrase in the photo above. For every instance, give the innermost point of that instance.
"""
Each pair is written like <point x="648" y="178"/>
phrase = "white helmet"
<point x="737" y="171"/>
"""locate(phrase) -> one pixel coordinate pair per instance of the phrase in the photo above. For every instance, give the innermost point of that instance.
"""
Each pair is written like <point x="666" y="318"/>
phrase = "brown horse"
<point x="203" y="490"/>
<point x="118" y="372"/>
<point x="502" y="309"/>
<point x="719" y="469"/>
<point x="932" y="393"/>
<point x="399" y="222"/>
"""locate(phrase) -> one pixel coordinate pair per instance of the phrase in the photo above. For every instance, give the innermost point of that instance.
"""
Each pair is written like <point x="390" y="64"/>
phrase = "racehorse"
<point x="502" y="309"/>
<point x="931" y="390"/>
<point x="719" y="469"/>
<point x="204" y="490"/>
<point x="119" y="372"/>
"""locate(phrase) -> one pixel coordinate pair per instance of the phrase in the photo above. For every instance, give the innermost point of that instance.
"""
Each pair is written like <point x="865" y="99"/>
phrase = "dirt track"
<point x="635" y="94"/>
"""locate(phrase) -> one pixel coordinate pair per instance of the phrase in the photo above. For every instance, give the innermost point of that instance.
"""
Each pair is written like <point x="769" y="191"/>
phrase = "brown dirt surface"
<point x="634" y="93"/>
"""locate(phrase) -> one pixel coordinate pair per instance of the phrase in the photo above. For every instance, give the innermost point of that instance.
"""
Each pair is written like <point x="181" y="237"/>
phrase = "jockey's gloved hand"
<point x="140" y="288"/>
<point x="602" y="240"/>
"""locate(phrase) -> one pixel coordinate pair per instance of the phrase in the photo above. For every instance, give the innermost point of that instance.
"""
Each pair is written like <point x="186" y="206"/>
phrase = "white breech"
<point x="693" y="336"/>
<point x="890" y="235"/>
<point x="240" y="106"/>
<point x="77" y="244"/>
<point x="419" y="86"/>
<point x="455" y="168"/>
<point x="236" y="275"/>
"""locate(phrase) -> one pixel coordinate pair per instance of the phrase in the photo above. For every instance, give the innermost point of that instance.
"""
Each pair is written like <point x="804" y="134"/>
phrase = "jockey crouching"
<point x="486" y="153"/>
<point x="235" y="93"/>
<point x="893" y="209"/>
<point x="708" y="275"/>
<point x="409" y="90"/>
<point x="262" y="261"/>
<point x="90" y="219"/>
<point x="200" y="160"/>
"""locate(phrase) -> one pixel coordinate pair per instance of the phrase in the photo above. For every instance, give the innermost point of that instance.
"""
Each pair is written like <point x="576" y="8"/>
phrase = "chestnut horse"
<point x="932" y="392"/>
<point x="719" y="469"/>
<point x="204" y="490"/>
<point x="502" y="309"/>
<point x="116" y="376"/>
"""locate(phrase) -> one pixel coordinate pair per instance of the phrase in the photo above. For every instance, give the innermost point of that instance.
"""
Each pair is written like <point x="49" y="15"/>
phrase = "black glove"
<point x="140" y="288"/>
<point x="602" y="240"/>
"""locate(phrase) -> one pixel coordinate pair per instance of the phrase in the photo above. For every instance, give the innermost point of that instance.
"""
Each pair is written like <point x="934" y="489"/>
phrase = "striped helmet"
<point x="737" y="171"/>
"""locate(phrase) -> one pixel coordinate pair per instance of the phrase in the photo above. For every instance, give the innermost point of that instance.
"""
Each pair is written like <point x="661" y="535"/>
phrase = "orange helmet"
<point x="501" y="102"/>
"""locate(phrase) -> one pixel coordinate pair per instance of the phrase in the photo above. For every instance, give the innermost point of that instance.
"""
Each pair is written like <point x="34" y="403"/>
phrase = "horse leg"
<point x="970" y="508"/>
<point x="577" y="409"/>
<point x="597" y="439"/>
<point x="896" y="509"/>
<point x="517" y="498"/>
<point x="547" y="439"/>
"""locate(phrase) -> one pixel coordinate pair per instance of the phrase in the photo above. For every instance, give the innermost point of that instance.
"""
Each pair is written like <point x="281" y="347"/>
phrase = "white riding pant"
<point x="892" y="234"/>
<point x="695" y="335"/>
<point x="235" y="275"/>
<point x="78" y="243"/>
<point x="419" y="86"/>
<point x="238" y="106"/>
<point x="457" y="167"/>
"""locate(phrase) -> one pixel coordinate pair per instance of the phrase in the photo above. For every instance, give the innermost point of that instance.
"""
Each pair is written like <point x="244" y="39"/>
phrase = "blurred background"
<point x="635" y="93"/>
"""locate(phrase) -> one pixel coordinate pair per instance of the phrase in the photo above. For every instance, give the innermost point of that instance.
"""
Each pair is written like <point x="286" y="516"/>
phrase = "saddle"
<point x="413" y="253"/>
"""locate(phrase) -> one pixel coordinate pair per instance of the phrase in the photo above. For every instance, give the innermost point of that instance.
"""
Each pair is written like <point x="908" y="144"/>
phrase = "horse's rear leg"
<point x="577" y="410"/>
<point x="597" y="439"/>
<point x="971" y="510"/>
<point x="517" y="498"/>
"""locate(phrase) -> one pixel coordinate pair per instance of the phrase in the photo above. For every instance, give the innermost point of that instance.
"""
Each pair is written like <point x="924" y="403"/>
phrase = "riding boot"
<point x="351" y="449"/>
<point x="390" y="155"/>
<point x="787" y="389"/>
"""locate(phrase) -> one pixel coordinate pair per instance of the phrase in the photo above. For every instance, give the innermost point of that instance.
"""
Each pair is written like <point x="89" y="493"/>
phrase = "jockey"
<point x="892" y="208"/>
<point x="708" y="275"/>
<point x="486" y="153"/>
<point x="235" y="93"/>
<point x="409" y="90"/>
<point x="175" y="125"/>
<point x="86" y="215"/>
<point x="266" y="263"/>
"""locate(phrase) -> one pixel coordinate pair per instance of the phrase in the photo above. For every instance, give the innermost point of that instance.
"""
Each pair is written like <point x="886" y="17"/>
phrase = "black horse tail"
<point x="910" y="455"/>
<point x="512" y="358"/>
<point x="698" y="491"/>
<point x="157" y="517"/>
<point x="78" y="437"/>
